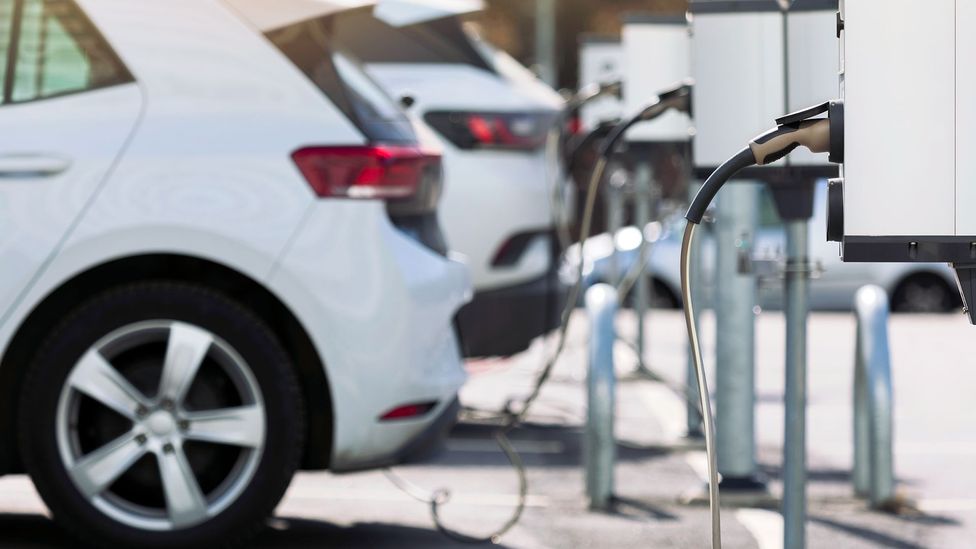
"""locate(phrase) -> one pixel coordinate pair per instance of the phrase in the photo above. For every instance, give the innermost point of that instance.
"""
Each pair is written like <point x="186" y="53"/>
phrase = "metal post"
<point x="642" y="216"/>
<point x="614" y="194"/>
<point x="873" y="475"/>
<point x="794" y="449"/>
<point x="736" y="220"/>
<point x="599" y="445"/>
<point x="545" y="40"/>
<point x="693" y="419"/>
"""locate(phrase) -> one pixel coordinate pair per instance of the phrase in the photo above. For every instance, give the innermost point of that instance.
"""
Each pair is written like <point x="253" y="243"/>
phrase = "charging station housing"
<point x="908" y="186"/>
<point x="753" y="61"/>
<point x="657" y="55"/>
<point x="601" y="61"/>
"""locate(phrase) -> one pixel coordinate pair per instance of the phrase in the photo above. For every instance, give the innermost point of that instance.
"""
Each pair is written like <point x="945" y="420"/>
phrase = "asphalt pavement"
<point x="658" y="470"/>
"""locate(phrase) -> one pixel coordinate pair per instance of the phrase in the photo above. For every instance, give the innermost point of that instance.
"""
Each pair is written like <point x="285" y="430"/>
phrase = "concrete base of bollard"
<point x="759" y="497"/>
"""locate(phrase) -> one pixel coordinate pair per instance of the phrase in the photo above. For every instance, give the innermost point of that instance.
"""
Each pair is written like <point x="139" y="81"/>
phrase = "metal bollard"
<point x="614" y="196"/>
<point x="599" y="444"/>
<point x="644" y="196"/>
<point x="873" y="476"/>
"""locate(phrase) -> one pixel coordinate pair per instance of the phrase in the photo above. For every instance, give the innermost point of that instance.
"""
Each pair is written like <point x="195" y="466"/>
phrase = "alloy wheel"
<point x="161" y="425"/>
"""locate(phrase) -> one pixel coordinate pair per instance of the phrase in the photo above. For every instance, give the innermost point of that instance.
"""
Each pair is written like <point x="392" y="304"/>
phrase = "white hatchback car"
<point x="492" y="117"/>
<point x="219" y="263"/>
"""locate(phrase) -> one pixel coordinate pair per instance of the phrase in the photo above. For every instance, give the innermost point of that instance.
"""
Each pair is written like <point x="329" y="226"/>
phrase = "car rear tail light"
<point x="486" y="130"/>
<point x="574" y="125"/>
<point x="408" y="411"/>
<point x="365" y="172"/>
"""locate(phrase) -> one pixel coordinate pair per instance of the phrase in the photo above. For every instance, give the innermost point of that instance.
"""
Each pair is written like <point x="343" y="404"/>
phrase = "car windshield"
<point x="503" y="63"/>
<point x="439" y="41"/>
<point x="311" y="46"/>
<point x="372" y="104"/>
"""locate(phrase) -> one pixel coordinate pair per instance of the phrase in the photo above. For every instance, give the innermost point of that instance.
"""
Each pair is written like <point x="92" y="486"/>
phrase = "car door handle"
<point x="32" y="165"/>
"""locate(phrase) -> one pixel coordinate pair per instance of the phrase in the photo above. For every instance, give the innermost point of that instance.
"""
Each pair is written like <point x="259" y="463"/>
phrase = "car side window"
<point x="6" y="24"/>
<point x="55" y="50"/>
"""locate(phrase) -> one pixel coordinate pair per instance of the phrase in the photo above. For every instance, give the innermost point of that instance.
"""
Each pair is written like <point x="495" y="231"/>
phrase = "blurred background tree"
<point x="510" y="25"/>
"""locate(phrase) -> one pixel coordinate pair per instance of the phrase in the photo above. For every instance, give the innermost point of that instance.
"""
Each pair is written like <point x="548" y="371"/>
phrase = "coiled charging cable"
<point x="793" y="131"/>
<point x="676" y="98"/>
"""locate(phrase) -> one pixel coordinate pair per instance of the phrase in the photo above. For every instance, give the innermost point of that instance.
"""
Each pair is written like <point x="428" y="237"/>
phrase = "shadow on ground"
<point x="30" y="531"/>
<point x="301" y="534"/>
<point x="568" y="439"/>
<point x="24" y="531"/>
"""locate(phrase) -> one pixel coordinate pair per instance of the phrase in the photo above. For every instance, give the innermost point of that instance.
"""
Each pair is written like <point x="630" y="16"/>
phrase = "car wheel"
<point x="662" y="297"/>
<point x="161" y="415"/>
<point x="924" y="293"/>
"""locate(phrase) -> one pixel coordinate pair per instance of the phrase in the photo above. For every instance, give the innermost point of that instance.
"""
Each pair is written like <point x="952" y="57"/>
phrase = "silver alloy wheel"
<point x="161" y="424"/>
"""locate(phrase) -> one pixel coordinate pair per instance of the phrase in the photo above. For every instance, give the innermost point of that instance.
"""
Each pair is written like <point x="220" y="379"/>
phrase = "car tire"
<point x="232" y="426"/>
<point x="661" y="296"/>
<point x="924" y="293"/>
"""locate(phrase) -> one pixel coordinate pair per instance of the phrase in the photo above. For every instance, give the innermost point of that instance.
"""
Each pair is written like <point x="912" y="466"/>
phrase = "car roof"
<point x="269" y="15"/>
<point x="402" y="13"/>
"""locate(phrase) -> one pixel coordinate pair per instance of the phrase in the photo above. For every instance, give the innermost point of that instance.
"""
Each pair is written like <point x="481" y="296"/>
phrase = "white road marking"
<point x="698" y="461"/>
<point x="936" y="448"/>
<point x="764" y="525"/>
<point x="666" y="407"/>
<point x="947" y="505"/>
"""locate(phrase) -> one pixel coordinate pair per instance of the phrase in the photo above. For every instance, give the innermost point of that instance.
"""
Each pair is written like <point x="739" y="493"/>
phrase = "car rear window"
<point x="311" y="46"/>
<point x="438" y="41"/>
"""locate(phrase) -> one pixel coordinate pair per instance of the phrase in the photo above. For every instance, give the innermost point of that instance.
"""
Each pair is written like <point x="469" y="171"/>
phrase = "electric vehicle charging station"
<point x="657" y="53"/>
<point x="908" y="147"/>
<point x="753" y="60"/>
<point x="600" y="62"/>
<point x="727" y="43"/>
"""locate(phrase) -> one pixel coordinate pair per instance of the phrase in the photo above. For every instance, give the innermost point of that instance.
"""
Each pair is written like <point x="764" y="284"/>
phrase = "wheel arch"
<point x="673" y="292"/>
<point x="230" y="282"/>
<point x="903" y="277"/>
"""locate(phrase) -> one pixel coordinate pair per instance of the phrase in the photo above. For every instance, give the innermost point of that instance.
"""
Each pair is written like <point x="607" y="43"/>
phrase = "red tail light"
<point x="367" y="172"/>
<point x="574" y="126"/>
<point x="408" y="411"/>
<point x="493" y="130"/>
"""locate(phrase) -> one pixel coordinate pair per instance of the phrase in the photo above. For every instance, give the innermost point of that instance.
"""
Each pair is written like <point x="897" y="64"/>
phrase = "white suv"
<point x="219" y="262"/>
<point x="492" y="117"/>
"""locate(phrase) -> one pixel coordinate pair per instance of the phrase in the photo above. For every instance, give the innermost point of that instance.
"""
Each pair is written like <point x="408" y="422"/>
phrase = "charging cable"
<point x="792" y="131"/>
<point x="555" y="139"/>
<point x="676" y="98"/>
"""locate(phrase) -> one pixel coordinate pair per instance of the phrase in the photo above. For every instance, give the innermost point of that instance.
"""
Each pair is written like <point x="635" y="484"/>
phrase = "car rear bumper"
<point x="423" y="444"/>
<point x="503" y="322"/>
<point x="378" y="306"/>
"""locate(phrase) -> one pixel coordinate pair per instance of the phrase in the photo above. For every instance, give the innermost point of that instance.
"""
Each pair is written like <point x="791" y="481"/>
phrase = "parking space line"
<point x="665" y="407"/>
<point x="947" y="505"/>
<point x="698" y="461"/>
<point x="669" y="410"/>
<point x="764" y="525"/>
